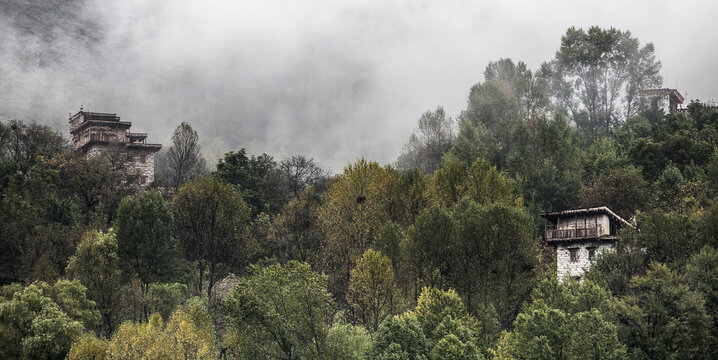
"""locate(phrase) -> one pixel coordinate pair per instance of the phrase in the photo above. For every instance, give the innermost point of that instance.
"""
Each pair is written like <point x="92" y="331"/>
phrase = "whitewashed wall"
<point x="566" y="269"/>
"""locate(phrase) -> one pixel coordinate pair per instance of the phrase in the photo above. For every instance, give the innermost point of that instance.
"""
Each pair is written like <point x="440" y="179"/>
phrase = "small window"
<point x="143" y="179"/>
<point x="574" y="254"/>
<point x="591" y="253"/>
<point x="143" y="158"/>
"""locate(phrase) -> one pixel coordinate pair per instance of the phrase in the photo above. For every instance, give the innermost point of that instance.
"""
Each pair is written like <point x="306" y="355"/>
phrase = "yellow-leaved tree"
<point x="187" y="335"/>
<point x="371" y="289"/>
<point x="351" y="216"/>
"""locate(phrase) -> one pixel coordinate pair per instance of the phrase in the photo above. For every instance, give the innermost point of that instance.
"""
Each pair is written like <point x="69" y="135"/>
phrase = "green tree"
<point x="492" y="111"/>
<point x="428" y="144"/>
<point x="563" y="321"/>
<point x="510" y="95"/>
<point x="346" y="341"/>
<point x="481" y="182"/>
<point x="97" y="184"/>
<point x="187" y="335"/>
<point x="665" y="237"/>
<point x="26" y="143"/>
<point x="389" y="244"/>
<point x="439" y="328"/>
<point x="40" y="321"/>
<point x="602" y="67"/>
<point x="702" y="276"/>
<point x="399" y="337"/>
<point x="280" y="311"/>
<point x="707" y="227"/>
<point x="296" y="230"/>
<point x="144" y="237"/>
<point x="88" y="347"/>
<point x="622" y="189"/>
<point x="371" y="289"/>
<point x="352" y="213"/>
<point x="97" y="266"/>
<point x="529" y="90"/>
<point x="615" y="269"/>
<point x="545" y="162"/>
<point x="663" y="318"/>
<point x="183" y="161"/>
<point x="428" y="251"/>
<point x="211" y="224"/>
<point x="258" y="178"/>
<point x="494" y="255"/>
<point x="441" y="313"/>
<point x="301" y="172"/>
<point x="165" y="298"/>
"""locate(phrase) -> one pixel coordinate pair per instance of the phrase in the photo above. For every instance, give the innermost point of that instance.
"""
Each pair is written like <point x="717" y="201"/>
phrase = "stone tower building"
<point x="579" y="236"/>
<point x="94" y="133"/>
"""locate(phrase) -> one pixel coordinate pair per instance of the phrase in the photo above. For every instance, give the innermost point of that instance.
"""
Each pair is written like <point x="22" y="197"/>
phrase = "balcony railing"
<point x="567" y="234"/>
<point x="99" y="137"/>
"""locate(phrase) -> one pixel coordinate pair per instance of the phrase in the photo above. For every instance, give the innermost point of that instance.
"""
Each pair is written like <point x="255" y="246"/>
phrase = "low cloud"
<point x="330" y="80"/>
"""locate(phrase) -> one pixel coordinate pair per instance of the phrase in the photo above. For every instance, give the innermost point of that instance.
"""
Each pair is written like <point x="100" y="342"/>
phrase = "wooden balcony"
<point x="570" y="234"/>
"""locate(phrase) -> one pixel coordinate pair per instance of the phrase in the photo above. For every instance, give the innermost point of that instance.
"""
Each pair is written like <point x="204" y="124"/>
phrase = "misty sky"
<point x="334" y="80"/>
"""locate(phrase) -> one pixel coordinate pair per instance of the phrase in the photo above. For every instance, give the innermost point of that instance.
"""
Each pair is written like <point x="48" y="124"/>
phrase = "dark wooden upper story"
<point x="93" y="128"/>
<point x="598" y="223"/>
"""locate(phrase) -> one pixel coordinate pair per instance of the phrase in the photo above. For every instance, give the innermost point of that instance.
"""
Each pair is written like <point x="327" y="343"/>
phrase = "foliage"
<point x="428" y="144"/>
<point x="702" y="277"/>
<point x="439" y="328"/>
<point x="144" y="237"/>
<point x="41" y="321"/>
<point x="622" y="189"/>
<point x="595" y="69"/>
<point x="26" y="143"/>
<point x="210" y="223"/>
<point x="164" y="298"/>
<point x="493" y="256"/>
<point x="399" y="337"/>
<point x="371" y="289"/>
<point x="88" y="347"/>
<point x="280" y="311"/>
<point x="188" y="335"/>
<point x="427" y="247"/>
<point x="480" y="182"/>
<point x="97" y="184"/>
<point x="351" y="216"/>
<point x="301" y="172"/>
<point x="662" y="318"/>
<point x="346" y="341"/>
<point x="258" y="179"/>
<point x="183" y="161"/>
<point x="665" y="237"/>
<point x="563" y="321"/>
<point x="295" y="231"/>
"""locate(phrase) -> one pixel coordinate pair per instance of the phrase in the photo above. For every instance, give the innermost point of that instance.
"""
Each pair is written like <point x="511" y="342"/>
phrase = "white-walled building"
<point x="579" y="236"/>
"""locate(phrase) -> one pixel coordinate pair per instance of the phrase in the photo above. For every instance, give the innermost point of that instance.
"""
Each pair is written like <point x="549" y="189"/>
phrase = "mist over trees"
<point x="439" y="256"/>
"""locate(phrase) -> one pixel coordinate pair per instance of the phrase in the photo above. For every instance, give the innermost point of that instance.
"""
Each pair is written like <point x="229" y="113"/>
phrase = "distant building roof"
<point x="673" y="93"/>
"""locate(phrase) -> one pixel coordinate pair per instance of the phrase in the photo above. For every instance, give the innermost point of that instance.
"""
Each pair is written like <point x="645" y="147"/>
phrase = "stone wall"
<point x="144" y="169"/>
<point x="567" y="269"/>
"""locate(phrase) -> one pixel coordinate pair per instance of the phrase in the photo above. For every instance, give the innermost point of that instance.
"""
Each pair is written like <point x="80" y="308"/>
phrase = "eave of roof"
<point x="585" y="211"/>
<point x="122" y="124"/>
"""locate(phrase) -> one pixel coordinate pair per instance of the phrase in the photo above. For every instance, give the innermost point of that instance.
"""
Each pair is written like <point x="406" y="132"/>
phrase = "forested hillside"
<point x="437" y="256"/>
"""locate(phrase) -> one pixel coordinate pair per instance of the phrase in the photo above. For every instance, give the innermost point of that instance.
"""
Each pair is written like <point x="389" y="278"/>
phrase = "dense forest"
<point x="437" y="256"/>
